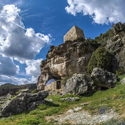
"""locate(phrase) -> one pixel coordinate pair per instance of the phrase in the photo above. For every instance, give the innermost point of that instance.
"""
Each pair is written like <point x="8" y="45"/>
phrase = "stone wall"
<point x="73" y="34"/>
<point x="53" y="86"/>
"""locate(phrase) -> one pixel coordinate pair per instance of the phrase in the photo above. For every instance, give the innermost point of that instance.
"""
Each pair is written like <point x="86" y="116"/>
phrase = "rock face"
<point x="123" y="81"/>
<point x="103" y="78"/>
<point x="116" y="46"/>
<point x="77" y="84"/>
<point x="22" y="102"/>
<point x="12" y="89"/>
<point x="65" y="60"/>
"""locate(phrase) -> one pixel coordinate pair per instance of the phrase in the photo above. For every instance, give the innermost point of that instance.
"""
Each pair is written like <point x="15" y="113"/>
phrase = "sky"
<point x="29" y="27"/>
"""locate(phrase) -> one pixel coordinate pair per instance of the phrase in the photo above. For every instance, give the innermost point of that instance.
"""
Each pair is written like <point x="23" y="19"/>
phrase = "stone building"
<point x="73" y="34"/>
<point x="53" y="86"/>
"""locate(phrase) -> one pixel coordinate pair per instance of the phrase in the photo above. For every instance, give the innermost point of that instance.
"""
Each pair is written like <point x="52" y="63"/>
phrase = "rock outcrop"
<point x="77" y="84"/>
<point x="65" y="60"/>
<point x="70" y="99"/>
<point x="103" y="78"/>
<point x="12" y="89"/>
<point x="22" y="102"/>
<point x="73" y="56"/>
<point x="123" y="81"/>
<point x="116" y="46"/>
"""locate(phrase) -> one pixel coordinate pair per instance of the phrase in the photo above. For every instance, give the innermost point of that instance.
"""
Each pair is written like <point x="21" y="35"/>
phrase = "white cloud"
<point x="33" y="69"/>
<point x="102" y="11"/>
<point x="16" y="42"/>
<point x="7" y="66"/>
<point x="13" y="80"/>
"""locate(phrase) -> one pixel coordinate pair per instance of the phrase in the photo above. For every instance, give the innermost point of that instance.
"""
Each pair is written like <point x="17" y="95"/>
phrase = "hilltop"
<point x="87" y="87"/>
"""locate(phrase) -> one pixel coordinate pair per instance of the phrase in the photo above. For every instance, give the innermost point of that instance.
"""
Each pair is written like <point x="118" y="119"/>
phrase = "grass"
<point x="113" y="98"/>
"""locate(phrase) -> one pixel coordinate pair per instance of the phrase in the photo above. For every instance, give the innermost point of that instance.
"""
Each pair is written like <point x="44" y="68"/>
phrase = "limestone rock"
<point x="34" y="105"/>
<point x="77" y="84"/>
<point x="65" y="60"/>
<point x="22" y="102"/>
<point x="25" y="91"/>
<point x="53" y="92"/>
<point x="70" y="99"/>
<point x="103" y="78"/>
<point x="123" y="81"/>
<point x="116" y="46"/>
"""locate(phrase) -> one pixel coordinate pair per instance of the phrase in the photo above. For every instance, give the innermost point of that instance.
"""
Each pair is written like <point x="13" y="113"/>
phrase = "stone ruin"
<point x="73" y="34"/>
<point x="65" y="60"/>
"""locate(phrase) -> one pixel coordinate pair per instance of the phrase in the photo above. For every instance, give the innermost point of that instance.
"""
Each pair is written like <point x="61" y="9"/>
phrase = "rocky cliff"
<point x="12" y="89"/>
<point x="73" y="56"/>
<point x="65" y="60"/>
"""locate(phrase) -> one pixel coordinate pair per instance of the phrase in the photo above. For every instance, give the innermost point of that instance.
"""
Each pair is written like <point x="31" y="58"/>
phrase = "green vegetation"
<point x="34" y="91"/>
<point x="64" y="80"/>
<point x="52" y="47"/>
<point x="100" y="58"/>
<point x="80" y="38"/>
<point x="104" y="37"/>
<point x="120" y="71"/>
<point x="113" y="98"/>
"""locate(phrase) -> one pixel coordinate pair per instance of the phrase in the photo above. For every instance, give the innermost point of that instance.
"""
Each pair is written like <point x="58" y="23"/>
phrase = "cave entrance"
<point x="53" y="84"/>
<point x="58" y="84"/>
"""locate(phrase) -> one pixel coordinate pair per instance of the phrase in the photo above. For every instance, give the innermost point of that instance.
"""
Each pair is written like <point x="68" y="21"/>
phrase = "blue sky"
<point x="29" y="27"/>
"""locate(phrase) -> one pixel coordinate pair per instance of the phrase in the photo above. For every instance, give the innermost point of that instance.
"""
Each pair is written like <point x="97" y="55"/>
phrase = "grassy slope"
<point x="114" y="98"/>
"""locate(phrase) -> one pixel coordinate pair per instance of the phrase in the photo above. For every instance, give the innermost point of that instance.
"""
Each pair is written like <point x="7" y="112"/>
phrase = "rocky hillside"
<point x="65" y="60"/>
<point x="73" y="56"/>
<point x="12" y="89"/>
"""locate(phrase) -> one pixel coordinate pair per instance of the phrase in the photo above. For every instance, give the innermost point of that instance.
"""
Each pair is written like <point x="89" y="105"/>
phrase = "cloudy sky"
<point x="29" y="27"/>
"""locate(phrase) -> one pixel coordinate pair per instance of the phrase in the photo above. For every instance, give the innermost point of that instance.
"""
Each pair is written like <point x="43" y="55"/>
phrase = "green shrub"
<point x="29" y="121"/>
<point x="52" y="47"/>
<point x="34" y="112"/>
<point x="80" y="38"/>
<point x="18" y="91"/>
<point x="43" y="106"/>
<point x="100" y="58"/>
<point x="51" y="111"/>
<point x="34" y="91"/>
<point x="113" y="122"/>
<point x="120" y="71"/>
<point x="64" y="80"/>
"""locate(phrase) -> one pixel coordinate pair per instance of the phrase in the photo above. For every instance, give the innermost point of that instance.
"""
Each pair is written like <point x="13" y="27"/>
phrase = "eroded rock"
<point x="103" y="78"/>
<point x="65" y="60"/>
<point x="70" y="99"/>
<point x="77" y="84"/>
<point x="22" y="102"/>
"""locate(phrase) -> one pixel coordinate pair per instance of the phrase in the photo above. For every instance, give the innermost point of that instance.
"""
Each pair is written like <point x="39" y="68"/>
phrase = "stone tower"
<point x="73" y="34"/>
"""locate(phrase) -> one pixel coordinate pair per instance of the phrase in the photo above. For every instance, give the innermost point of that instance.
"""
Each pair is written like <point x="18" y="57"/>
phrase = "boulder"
<point x="70" y="99"/>
<point x="123" y="81"/>
<point x="34" y="105"/>
<point x="24" y="91"/>
<point x="77" y="84"/>
<point x="103" y="78"/>
<point x="22" y="102"/>
<point x="53" y="92"/>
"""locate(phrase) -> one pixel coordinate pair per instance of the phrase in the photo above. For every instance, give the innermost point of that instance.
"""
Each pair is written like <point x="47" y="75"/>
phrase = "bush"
<point x="80" y="38"/>
<point x="64" y="80"/>
<point x="29" y="121"/>
<point x="43" y="106"/>
<point x="34" y="91"/>
<point x="100" y="58"/>
<point x="52" y="47"/>
<point x="120" y="71"/>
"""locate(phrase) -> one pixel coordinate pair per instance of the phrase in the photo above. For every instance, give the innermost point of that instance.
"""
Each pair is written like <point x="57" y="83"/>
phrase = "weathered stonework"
<point x="53" y="86"/>
<point x="73" y="34"/>
<point x="65" y="60"/>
